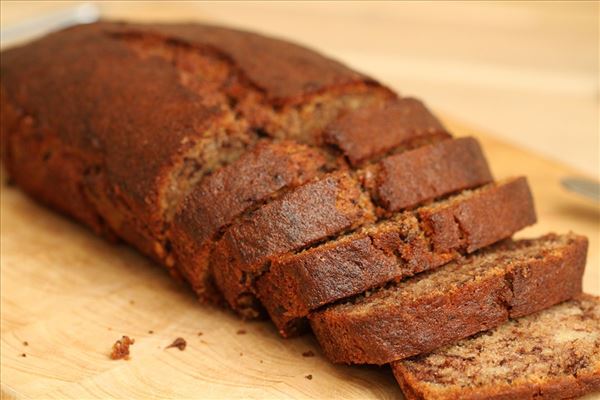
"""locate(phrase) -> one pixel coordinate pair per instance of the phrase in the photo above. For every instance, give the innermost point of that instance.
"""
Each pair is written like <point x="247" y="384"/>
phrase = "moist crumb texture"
<point x="399" y="247"/>
<point x="552" y="354"/>
<point x="439" y="307"/>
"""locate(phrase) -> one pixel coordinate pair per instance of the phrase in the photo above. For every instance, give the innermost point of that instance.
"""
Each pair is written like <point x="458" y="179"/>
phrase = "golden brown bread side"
<point x="440" y="307"/>
<point x="297" y="284"/>
<point x="553" y="354"/>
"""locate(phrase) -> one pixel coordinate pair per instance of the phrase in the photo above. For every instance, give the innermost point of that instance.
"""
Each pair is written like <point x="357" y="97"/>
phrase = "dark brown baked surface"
<point x="220" y="198"/>
<point x="414" y="177"/>
<point x="310" y="213"/>
<point x="297" y="284"/>
<point x="122" y="120"/>
<point x="553" y="354"/>
<point x="376" y="130"/>
<point x="288" y="224"/>
<point x="440" y="307"/>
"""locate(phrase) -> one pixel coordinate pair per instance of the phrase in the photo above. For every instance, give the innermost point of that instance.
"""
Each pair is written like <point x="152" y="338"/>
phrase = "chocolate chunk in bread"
<point x="439" y="307"/>
<point x="391" y="250"/>
<point x="376" y="130"/>
<point x="223" y="196"/>
<point x="553" y="354"/>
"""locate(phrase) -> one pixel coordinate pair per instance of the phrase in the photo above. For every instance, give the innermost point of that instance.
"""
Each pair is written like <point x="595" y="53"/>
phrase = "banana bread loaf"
<point x="114" y="124"/>
<point x="554" y="354"/>
<point x="440" y="307"/>
<point x="289" y="223"/>
<point x="299" y="283"/>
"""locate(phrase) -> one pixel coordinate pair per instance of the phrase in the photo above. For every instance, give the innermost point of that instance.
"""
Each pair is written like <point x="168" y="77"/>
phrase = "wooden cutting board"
<point x="67" y="296"/>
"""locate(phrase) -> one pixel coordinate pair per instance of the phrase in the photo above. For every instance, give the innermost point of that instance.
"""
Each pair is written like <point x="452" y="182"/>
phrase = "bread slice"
<point x="554" y="354"/>
<point x="391" y="250"/>
<point x="308" y="215"/>
<point x="439" y="307"/>
<point x="404" y="123"/>
<point x="269" y="168"/>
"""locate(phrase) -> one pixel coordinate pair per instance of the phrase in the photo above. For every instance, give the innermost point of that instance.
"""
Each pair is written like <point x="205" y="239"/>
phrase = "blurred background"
<point x="525" y="72"/>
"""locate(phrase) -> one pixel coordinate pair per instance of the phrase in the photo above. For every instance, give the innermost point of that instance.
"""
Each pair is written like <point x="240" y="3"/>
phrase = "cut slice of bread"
<point x="220" y="198"/>
<point x="391" y="250"/>
<point x="376" y="130"/>
<point x="439" y="307"/>
<point x="553" y="354"/>
<point x="308" y="214"/>
<point x="414" y="177"/>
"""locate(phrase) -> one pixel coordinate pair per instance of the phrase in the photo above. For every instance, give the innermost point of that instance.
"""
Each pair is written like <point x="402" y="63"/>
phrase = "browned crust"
<point x="400" y="123"/>
<point x="295" y="285"/>
<point x="411" y="178"/>
<point x="403" y="330"/>
<point x="96" y="130"/>
<point x="284" y="71"/>
<point x="502" y="211"/>
<point x="468" y="156"/>
<point x="221" y="197"/>
<point x="564" y="387"/>
<point x="308" y="214"/>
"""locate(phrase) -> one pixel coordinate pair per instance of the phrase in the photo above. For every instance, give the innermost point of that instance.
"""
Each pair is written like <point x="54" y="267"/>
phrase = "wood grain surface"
<point x="70" y="295"/>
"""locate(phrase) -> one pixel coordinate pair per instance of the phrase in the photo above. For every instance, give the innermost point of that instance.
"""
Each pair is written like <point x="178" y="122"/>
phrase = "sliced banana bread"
<point x="439" y="307"/>
<point x="554" y="354"/>
<point x="410" y="243"/>
<point x="218" y="199"/>
<point x="376" y="130"/>
<point x="295" y="220"/>
<point x="306" y="215"/>
<point x="115" y="123"/>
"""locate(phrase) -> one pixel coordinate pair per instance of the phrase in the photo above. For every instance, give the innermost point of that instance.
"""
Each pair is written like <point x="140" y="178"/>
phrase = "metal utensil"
<point x="582" y="186"/>
<point x="81" y="14"/>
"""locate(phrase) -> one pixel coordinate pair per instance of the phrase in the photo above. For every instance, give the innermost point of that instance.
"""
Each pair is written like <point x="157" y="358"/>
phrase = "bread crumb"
<point x="200" y="333"/>
<point x="309" y="377"/>
<point x="180" y="343"/>
<point x="120" y="350"/>
<point x="23" y="355"/>
<point x="151" y="331"/>
<point x="26" y="343"/>
<point x="131" y="302"/>
<point x="241" y="354"/>
<point x="241" y="332"/>
<point x="261" y="361"/>
<point x="308" y="353"/>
